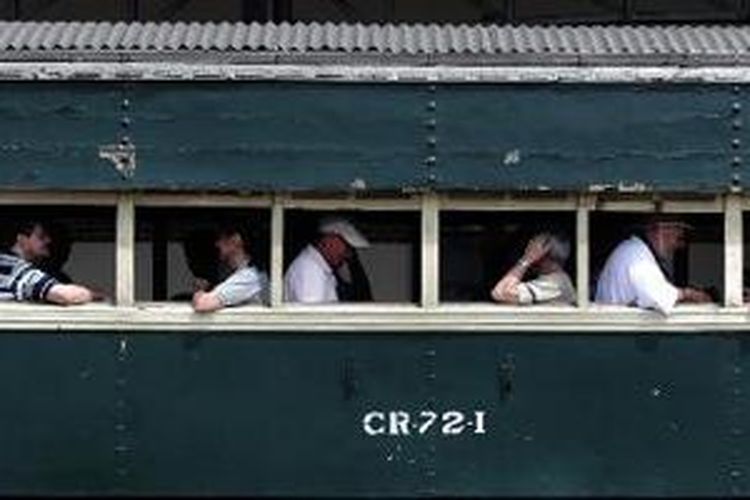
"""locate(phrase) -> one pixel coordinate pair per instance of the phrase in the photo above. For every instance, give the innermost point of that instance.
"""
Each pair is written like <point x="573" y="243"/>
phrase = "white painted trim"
<point x="277" y="254"/>
<point x="170" y="71"/>
<point x="583" y="264"/>
<point x="125" y="250"/>
<point x="733" y="251"/>
<point x="201" y="200"/>
<point x="507" y="203"/>
<point x="77" y="198"/>
<point x="714" y="205"/>
<point x="383" y="318"/>
<point x="350" y="203"/>
<point x="430" y="227"/>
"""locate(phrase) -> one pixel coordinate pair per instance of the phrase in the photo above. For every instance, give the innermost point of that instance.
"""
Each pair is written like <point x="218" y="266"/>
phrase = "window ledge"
<point x="395" y="318"/>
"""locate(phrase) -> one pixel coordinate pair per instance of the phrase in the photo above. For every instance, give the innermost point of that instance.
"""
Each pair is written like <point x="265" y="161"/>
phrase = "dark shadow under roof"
<point x="356" y="43"/>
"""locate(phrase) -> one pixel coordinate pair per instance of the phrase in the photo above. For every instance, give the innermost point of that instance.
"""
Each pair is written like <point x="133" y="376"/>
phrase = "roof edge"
<point x="160" y="71"/>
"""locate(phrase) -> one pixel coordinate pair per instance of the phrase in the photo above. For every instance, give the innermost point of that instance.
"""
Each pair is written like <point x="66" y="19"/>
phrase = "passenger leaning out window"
<point x="545" y="256"/>
<point x="245" y="284"/>
<point x="21" y="278"/>
<point x="635" y="274"/>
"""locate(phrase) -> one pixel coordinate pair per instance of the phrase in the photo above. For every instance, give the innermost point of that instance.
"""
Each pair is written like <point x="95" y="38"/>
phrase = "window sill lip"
<point x="385" y="318"/>
<point x="289" y="309"/>
<point x="592" y="309"/>
<point x="443" y="307"/>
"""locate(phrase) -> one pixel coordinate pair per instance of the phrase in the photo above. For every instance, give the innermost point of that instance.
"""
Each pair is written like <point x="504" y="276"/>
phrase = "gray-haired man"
<point x="546" y="254"/>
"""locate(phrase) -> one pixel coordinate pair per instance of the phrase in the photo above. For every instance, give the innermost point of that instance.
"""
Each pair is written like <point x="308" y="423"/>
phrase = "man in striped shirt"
<point x="22" y="281"/>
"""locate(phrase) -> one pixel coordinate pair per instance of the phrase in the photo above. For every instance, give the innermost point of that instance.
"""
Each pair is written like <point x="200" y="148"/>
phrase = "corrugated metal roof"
<point x="385" y="40"/>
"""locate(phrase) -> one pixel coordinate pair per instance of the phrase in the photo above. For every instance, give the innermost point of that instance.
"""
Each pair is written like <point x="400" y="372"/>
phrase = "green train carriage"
<point x="431" y="390"/>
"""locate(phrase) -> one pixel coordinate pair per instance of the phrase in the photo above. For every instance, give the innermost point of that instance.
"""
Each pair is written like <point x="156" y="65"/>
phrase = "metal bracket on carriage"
<point x="122" y="156"/>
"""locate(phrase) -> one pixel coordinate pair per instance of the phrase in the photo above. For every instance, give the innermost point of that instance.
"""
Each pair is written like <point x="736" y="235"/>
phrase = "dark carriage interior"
<point x="82" y="247"/>
<point x="176" y="245"/>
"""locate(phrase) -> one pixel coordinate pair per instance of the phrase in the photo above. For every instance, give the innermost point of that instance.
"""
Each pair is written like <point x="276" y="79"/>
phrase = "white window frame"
<point x="283" y="203"/>
<point x="507" y="203"/>
<point x="429" y="314"/>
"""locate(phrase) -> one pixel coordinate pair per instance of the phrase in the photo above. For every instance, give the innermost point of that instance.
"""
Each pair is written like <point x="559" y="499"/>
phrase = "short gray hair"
<point x="559" y="247"/>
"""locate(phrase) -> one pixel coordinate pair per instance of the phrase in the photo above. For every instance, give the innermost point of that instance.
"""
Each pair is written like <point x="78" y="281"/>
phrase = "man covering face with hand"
<point x="313" y="278"/>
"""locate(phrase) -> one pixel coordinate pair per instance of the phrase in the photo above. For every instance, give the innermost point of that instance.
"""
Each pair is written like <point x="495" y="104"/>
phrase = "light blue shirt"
<point x="246" y="285"/>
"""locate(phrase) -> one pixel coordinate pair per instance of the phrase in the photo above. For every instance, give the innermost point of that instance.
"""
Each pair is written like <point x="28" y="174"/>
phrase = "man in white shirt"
<point x="633" y="274"/>
<point x="311" y="277"/>
<point x="245" y="285"/>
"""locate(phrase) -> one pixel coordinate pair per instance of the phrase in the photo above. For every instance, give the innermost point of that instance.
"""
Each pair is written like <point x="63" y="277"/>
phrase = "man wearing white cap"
<point x="312" y="278"/>
<point x="635" y="275"/>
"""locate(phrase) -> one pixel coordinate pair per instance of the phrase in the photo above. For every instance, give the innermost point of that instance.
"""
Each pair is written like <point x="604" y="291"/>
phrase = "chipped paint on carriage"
<point x="150" y="398"/>
<point x="373" y="138"/>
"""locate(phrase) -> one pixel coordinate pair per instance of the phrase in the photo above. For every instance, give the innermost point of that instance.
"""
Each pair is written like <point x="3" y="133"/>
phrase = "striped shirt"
<point x="21" y="281"/>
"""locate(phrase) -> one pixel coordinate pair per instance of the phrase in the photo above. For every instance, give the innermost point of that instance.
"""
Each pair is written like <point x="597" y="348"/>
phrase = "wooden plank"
<point x="125" y="252"/>
<point x="582" y="251"/>
<point x="733" y="251"/>
<point x="430" y="251"/>
<point x="277" y="254"/>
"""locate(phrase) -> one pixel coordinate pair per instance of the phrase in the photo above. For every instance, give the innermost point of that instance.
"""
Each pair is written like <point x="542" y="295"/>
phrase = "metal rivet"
<point x="736" y="142"/>
<point x="431" y="106"/>
<point x="736" y="107"/>
<point x="125" y="104"/>
<point x="736" y="160"/>
<point x="125" y="122"/>
<point x="430" y="123"/>
<point x="737" y="124"/>
<point x="432" y="141"/>
<point x="430" y="160"/>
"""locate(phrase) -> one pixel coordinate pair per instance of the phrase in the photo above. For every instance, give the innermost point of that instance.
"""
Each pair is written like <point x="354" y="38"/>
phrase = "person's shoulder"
<point x="302" y="255"/>
<point x="558" y="276"/>
<point x="562" y="282"/>
<point x="308" y="260"/>
<point x="631" y="241"/>
<point x="299" y="260"/>
<point x="629" y="247"/>
<point x="11" y="259"/>
<point x="250" y="273"/>
<point x="557" y="279"/>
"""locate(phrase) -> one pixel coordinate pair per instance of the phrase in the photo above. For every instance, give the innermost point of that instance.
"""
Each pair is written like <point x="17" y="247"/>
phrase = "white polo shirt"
<point x="309" y="279"/>
<point x="632" y="276"/>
